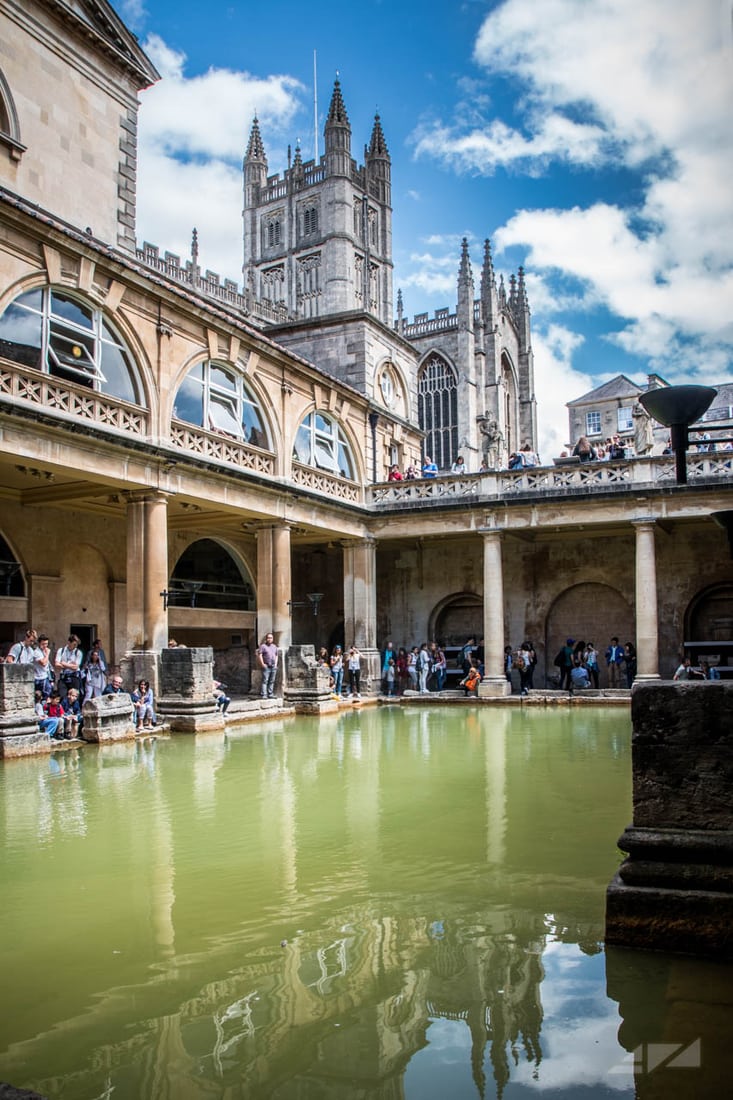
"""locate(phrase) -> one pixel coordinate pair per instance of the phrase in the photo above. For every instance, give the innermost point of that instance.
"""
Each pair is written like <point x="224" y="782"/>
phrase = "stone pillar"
<point x="674" y="891"/>
<point x="360" y="609"/>
<point x="186" y="698"/>
<point x="19" y="732"/>
<point x="273" y="596"/>
<point x="307" y="682"/>
<point x="147" y="571"/>
<point x="647" y="637"/>
<point x="109" y="718"/>
<point x="494" y="682"/>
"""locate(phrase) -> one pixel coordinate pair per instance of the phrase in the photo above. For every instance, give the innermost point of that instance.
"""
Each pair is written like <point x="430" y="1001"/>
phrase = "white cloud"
<point x="555" y="381"/>
<point x="193" y="132"/>
<point x="625" y="84"/>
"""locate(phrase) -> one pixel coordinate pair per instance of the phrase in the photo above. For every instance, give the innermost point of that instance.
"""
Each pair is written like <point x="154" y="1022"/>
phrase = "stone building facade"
<point x="179" y="457"/>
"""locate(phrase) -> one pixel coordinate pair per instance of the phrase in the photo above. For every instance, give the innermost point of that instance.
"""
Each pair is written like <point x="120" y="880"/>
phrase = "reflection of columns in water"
<point x="274" y="583"/>
<point x="647" y="624"/>
<point x="495" y="736"/>
<point x="209" y="754"/>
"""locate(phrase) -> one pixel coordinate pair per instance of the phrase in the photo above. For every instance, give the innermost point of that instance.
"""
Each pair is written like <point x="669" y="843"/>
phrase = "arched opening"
<point x="437" y="410"/>
<point x="321" y="442"/>
<point x="457" y="618"/>
<point x="207" y="576"/>
<point x="589" y="612"/>
<point x="216" y="397"/>
<point x="12" y="582"/>
<point x="709" y="618"/>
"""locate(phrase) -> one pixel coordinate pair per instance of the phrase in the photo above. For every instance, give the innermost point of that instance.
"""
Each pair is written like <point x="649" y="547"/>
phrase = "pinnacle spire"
<point x="255" y="148"/>
<point x="465" y="274"/>
<point x="377" y="143"/>
<point x="337" y="111"/>
<point x="488" y="279"/>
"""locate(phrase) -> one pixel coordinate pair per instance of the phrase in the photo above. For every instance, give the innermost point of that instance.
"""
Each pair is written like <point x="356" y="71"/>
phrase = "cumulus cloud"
<point x="619" y="85"/>
<point x="556" y="378"/>
<point x="193" y="133"/>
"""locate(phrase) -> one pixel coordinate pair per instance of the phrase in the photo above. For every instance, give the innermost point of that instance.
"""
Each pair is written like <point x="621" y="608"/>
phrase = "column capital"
<point x="644" y="521"/>
<point x="148" y="496"/>
<point x="491" y="532"/>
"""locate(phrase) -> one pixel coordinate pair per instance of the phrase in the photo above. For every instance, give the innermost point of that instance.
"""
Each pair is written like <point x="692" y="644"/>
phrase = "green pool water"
<point x="382" y="904"/>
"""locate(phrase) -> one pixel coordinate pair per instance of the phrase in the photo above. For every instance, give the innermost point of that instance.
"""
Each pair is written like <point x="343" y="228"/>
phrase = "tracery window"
<point x="273" y="232"/>
<point x="320" y="442"/>
<point x="66" y="337"/>
<point x="216" y="397"/>
<point x="437" y="409"/>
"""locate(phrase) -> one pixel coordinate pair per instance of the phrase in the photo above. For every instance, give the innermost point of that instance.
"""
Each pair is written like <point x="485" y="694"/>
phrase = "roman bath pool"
<point x="391" y="902"/>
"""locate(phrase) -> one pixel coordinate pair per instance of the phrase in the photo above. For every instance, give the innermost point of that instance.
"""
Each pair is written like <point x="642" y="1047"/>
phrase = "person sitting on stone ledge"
<point x="471" y="680"/>
<point x="579" y="678"/>
<point x="114" y="687"/>
<point x="222" y="699"/>
<point x="142" y="699"/>
<point x="73" y="720"/>
<point x="46" y="724"/>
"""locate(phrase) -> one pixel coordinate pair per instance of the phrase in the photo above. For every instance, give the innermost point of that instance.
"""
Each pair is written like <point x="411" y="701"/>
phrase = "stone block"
<point x="186" y="690"/>
<point x="306" y="682"/>
<point x="108" y="718"/>
<point x="19" y="733"/>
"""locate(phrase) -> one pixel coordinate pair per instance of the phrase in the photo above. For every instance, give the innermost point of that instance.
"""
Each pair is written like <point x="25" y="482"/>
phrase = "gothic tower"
<point x="319" y="238"/>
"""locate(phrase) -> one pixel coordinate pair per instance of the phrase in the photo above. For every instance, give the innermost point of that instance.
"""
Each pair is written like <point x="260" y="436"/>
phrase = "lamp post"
<point x="677" y="407"/>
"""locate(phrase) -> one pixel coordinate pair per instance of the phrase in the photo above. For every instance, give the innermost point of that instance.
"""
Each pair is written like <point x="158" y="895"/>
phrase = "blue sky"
<point x="589" y="139"/>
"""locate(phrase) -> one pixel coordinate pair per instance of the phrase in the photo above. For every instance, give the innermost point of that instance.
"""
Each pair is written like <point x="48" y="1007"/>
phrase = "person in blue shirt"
<point x="429" y="469"/>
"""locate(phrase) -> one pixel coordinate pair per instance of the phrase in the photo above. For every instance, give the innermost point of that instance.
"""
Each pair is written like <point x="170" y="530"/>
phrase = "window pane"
<point x="324" y="455"/>
<point x="189" y="404"/>
<point x="20" y="335"/>
<point x="625" y="420"/>
<point x="71" y="311"/>
<point x="117" y="378"/>
<point x="223" y="416"/>
<point x="302" y="446"/>
<point x="221" y="378"/>
<point x="254" y="431"/>
<point x="69" y="348"/>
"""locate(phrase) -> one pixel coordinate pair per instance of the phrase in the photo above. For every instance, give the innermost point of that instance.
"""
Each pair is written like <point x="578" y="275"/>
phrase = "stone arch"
<point x="709" y="615"/>
<point x="9" y="124"/>
<point x="212" y="574"/>
<point x="12" y="573"/>
<point x="456" y="618"/>
<point x="589" y="611"/>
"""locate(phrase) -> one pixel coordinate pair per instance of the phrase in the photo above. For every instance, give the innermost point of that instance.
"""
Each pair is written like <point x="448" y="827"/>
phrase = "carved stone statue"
<point x="492" y="440"/>
<point x="643" y="431"/>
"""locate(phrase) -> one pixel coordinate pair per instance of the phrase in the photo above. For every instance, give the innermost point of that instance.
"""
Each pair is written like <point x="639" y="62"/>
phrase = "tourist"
<point x="584" y="450"/>
<point x="143" y="710"/>
<point x="46" y="724"/>
<point x="114" y="687"/>
<point x="73" y="720"/>
<point x="471" y="681"/>
<point x="43" y="667"/>
<point x="466" y="654"/>
<point x="614" y="659"/>
<point x="508" y="662"/>
<point x="53" y="709"/>
<point x="337" y="669"/>
<point x="390" y="677"/>
<point x="423" y="668"/>
<point x="222" y="699"/>
<point x="394" y="473"/>
<point x="579" y="678"/>
<point x="709" y="672"/>
<point x="411" y="473"/>
<point x="94" y="673"/>
<point x="532" y="661"/>
<point x="459" y="466"/>
<point x="429" y="468"/>
<point x="566" y="666"/>
<point x="630" y="662"/>
<point x="529" y="457"/>
<point x="412" y="657"/>
<point x="68" y="665"/>
<point x="439" y="668"/>
<point x="523" y="664"/>
<point x="685" y="670"/>
<point x="590" y="659"/>
<point x="388" y="655"/>
<point x="354" y="670"/>
<point x="267" y="655"/>
<point x="402" y="673"/>
<point x="26" y="652"/>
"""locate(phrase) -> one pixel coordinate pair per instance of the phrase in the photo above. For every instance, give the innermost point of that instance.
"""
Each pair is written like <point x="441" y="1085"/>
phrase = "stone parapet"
<point x="19" y="733"/>
<point x="306" y="682"/>
<point x="186" y="700"/>
<point x="674" y="890"/>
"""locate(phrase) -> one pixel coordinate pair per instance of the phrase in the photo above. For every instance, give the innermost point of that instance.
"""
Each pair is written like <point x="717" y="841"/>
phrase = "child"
<point x="72" y="715"/>
<point x="222" y="699"/>
<point x="389" y="676"/>
<point x="46" y="723"/>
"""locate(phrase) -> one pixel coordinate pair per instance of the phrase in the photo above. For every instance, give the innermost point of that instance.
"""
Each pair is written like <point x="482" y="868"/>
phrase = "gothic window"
<point x="53" y="332"/>
<point x="273" y="282"/>
<point x="216" y="397"/>
<point x="272" y="231"/>
<point x="309" y="284"/>
<point x="320" y="442"/>
<point x="358" y="229"/>
<point x="438" y="410"/>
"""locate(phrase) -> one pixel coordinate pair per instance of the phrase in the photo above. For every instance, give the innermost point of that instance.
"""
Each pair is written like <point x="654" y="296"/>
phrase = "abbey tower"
<point x="318" y="245"/>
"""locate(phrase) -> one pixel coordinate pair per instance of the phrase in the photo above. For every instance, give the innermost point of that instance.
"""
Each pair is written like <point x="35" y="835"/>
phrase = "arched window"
<point x="51" y="331"/>
<point x="9" y="128"/>
<point x="216" y="397"/>
<point x="437" y="410"/>
<point x="310" y="220"/>
<point x="206" y="575"/>
<point x="274" y="233"/>
<point x="320" y="442"/>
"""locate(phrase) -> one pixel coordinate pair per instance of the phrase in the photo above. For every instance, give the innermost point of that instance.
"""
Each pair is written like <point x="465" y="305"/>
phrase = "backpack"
<point x="560" y="659"/>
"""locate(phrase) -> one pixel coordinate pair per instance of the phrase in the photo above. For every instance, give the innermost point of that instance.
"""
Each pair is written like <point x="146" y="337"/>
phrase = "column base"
<point x="494" y="687"/>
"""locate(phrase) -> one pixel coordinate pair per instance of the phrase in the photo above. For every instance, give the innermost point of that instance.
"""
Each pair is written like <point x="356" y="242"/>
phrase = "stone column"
<point x="494" y="682"/>
<point x="273" y="595"/>
<point x="147" y="571"/>
<point x="647" y="637"/>
<point x="360" y="608"/>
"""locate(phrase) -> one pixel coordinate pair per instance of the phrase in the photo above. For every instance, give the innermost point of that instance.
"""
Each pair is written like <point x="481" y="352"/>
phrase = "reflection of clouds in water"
<point x="579" y="1028"/>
